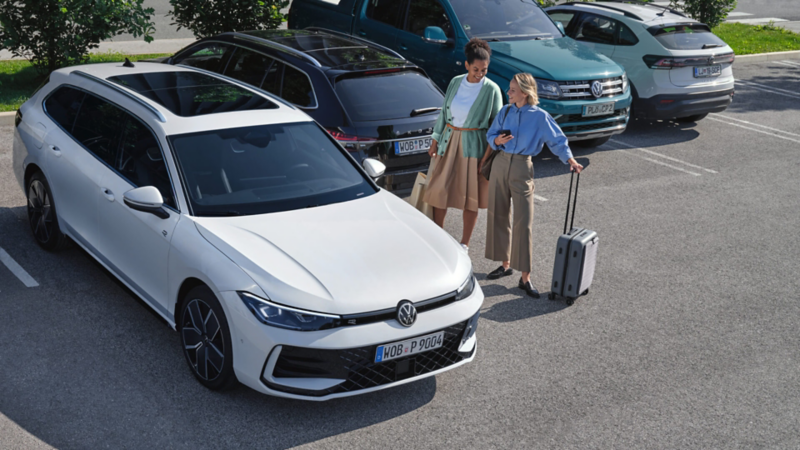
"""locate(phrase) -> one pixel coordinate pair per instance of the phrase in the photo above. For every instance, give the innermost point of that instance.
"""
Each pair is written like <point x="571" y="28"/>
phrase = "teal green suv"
<point x="586" y="92"/>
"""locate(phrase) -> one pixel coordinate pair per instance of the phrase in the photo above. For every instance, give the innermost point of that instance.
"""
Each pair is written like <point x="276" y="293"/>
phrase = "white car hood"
<point x="352" y="257"/>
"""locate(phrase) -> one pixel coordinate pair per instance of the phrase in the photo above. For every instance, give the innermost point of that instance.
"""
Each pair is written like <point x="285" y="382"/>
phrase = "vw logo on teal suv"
<point x="586" y="92"/>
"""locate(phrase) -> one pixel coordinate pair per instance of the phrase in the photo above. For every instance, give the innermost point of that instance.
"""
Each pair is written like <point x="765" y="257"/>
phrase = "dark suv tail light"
<point x="668" y="62"/>
<point x="349" y="142"/>
<point x="17" y="118"/>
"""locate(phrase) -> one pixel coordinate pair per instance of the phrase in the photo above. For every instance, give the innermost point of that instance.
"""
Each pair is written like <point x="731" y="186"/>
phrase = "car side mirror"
<point x="560" y="27"/>
<point x="146" y="199"/>
<point x="374" y="168"/>
<point x="435" y="35"/>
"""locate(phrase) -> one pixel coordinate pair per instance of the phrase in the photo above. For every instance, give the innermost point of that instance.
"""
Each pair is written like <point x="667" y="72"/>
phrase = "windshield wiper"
<point x="711" y="46"/>
<point x="419" y="111"/>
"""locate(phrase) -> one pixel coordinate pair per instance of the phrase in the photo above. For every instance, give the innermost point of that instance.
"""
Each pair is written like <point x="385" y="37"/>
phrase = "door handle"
<point x="403" y="47"/>
<point x="55" y="150"/>
<point x="108" y="194"/>
<point x="362" y="32"/>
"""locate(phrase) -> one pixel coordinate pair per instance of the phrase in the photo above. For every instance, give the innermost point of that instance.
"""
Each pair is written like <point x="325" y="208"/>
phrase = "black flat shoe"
<point x="528" y="288"/>
<point x="500" y="272"/>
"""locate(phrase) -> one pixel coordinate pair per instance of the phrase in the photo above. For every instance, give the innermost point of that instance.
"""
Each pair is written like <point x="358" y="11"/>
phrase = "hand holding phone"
<point x="505" y="132"/>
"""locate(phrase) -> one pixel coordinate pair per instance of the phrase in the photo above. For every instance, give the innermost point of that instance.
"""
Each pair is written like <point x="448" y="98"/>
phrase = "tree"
<point x="710" y="12"/>
<point x="209" y="17"/>
<point x="58" y="33"/>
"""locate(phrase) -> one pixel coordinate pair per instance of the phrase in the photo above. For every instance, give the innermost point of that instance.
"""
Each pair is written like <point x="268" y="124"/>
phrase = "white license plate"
<point x="602" y="109"/>
<point x="708" y="71"/>
<point x="410" y="347"/>
<point x="412" y="146"/>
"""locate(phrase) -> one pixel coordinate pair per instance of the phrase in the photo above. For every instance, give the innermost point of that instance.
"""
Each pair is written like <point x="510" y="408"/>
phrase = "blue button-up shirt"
<point x="531" y="127"/>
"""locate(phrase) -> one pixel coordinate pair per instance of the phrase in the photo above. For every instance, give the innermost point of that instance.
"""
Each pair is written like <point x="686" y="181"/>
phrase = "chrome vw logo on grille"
<point x="597" y="89"/>
<point x="406" y="313"/>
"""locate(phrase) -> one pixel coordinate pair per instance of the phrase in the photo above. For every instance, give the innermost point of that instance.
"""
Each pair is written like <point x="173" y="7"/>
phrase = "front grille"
<point x="357" y="367"/>
<point x="579" y="90"/>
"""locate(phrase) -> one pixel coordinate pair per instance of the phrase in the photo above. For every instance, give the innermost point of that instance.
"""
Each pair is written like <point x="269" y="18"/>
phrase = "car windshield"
<point x="686" y="37"/>
<point x="265" y="169"/>
<point x="501" y="20"/>
<point x="385" y="96"/>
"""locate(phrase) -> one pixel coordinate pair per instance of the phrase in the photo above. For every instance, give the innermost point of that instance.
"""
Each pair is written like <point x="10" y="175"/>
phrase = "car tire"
<point x="591" y="143"/>
<point x="42" y="216"/>
<point x="206" y="339"/>
<point x="694" y="118"/>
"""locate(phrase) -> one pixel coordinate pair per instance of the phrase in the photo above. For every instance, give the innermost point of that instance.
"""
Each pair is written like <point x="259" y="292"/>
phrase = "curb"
<point x="758" y="57"/>
<point x="7" y="118"/>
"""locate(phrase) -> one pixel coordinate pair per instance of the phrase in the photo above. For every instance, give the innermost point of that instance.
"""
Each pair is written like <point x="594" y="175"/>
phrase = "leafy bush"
<point x="209" y="17"/>
<point x="710" y="12"/>
<point x="58" y="33"/>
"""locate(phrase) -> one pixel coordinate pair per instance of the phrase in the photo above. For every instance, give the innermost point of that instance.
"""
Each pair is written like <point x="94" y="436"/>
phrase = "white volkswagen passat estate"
<point x="243" y="223"/>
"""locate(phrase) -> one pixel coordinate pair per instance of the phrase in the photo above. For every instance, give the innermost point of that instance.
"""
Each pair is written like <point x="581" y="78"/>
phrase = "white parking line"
<point x="756" y="125"/>
<point x="754" y="129"/>
<point x="539" y="197"/>
<point x="790" y="62"/>
<point x="770" y="89"/>
<point x="663" y="156"/>
<point x="786" y="63"/>
<point x="659" y="162"/>
<point x="16" y="269"/>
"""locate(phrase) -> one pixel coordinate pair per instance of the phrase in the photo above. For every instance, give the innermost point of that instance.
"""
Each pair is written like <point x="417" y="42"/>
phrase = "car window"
<point x="388" y="96"/>
<point x="626" y="36"/>
<point x="592" y="28"/>
<point x="141" y="161"/>
<point x="266" y="168"/>
<point x="248" y="66"/>
<point x="62" y="106"/>
<point x="564" y="17"/>
<point x="99" y="127"/>
<point x="506" y="20"/>
<point x="387" y="11"/>
<point x="297" y="88"/>
<point x="427" y="13"/>
<point x="208" y="56"/>
<point x="686" y="37"/>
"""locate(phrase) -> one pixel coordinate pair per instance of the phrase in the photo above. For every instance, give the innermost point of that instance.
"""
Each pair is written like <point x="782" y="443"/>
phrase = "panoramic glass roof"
<point x="188" y="94"/>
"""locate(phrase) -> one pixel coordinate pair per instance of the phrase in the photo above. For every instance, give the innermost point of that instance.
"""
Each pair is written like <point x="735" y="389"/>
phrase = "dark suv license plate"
<point x="412" y="146"/>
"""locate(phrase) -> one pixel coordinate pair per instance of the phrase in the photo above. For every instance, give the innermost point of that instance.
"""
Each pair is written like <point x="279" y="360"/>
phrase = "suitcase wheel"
<point x="570" y="301"/>
<point x="551" y="296"/>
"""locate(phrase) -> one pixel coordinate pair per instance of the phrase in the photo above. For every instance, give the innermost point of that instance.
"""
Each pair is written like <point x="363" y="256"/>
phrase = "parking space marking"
<point x="790" y="62"/>
<point x="756" y="125"/>
<point x="754" y="129"/>
<point x="694" y="166"/>
<point x="539" y="197"/>
<point x="785" y="63"/>
<point x="659" y="162"/>
<point x="17" y="270"/>
<point x="767" y="88"/>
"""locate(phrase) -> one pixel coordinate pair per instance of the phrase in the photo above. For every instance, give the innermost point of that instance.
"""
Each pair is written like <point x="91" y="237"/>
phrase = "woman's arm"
<point x="558" y="144"/>
<point x="438" y="128"/>
<point x="494" y="133"/>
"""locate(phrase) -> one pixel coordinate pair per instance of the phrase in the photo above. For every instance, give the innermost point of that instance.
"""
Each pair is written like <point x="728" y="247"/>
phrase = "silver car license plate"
<point x="708" y="71"/>
<point x="412" y="146"/>
<point x="410" y="347"/>
<point x="602" y="109"/>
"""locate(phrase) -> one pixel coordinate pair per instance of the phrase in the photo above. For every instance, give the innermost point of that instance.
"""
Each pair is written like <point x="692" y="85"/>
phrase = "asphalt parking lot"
<point x="688" y="338"/>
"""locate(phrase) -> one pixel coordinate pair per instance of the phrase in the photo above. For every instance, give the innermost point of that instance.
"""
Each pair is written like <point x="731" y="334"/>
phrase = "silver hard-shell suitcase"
<point x="576" y="256"/>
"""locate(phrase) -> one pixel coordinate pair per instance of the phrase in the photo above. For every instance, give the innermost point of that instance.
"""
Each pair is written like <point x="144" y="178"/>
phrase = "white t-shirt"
<point x="465" y="96"/>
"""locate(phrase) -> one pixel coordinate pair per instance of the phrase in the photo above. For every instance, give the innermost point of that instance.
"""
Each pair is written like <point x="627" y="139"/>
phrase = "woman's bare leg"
<point x="439" y="215"/>
<point x="470" y="220"/>
<point x="526" y="276"/>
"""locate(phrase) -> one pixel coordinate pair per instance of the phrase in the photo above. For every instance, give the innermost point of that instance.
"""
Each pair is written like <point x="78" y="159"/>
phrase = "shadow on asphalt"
<point x="520" y="308"/>
<point x="87" y="364"/>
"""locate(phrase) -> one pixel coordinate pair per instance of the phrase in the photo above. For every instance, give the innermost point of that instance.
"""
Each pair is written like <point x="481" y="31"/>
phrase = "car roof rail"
<point x="359" y="39"/>
<point x="250" y="87"/>
<point x="124" y="92"/>
<point x="641" y="3"/>
<point x="276" y="46"/>
<point x="601" y="5"/>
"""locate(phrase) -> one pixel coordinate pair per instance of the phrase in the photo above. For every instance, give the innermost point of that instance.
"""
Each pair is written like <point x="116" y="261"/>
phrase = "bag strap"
<point x="574" y="201"/>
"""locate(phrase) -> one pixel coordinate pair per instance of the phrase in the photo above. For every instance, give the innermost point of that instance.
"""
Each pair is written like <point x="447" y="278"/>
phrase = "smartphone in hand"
<point x="505" y="132"/>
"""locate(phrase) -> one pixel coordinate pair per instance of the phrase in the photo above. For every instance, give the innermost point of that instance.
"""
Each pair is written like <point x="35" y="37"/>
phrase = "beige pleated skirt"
<point x="454" y="181"/>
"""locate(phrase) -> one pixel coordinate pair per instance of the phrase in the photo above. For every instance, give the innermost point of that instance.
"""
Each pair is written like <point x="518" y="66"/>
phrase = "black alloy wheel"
<point x="42" y="214"/>
<point x="206" y="339"/>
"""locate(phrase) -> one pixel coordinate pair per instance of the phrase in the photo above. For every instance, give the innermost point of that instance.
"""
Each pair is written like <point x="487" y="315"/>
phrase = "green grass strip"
<point x="18" y="78"/>
<point x="750" y="39"/>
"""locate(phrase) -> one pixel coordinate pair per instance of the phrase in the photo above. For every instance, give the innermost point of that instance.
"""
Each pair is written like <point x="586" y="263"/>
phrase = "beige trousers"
<point x="511" y="180"/>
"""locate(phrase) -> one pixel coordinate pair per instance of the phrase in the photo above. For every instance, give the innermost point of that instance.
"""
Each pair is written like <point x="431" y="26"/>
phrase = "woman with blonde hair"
<point x="459" y="141"/>
<point x="519" y="132"/>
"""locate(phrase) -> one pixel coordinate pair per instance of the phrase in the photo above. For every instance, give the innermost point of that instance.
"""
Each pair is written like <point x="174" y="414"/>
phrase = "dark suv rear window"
<point x="391" y="95"/>
<point x="686" y="37"/>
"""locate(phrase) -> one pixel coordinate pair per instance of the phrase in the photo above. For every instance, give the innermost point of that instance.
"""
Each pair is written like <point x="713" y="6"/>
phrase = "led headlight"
<point x="466" y="288"/>
<point x="547" y="89"/>
<point x="285" y="317"/>
<point x="624" y="82"/>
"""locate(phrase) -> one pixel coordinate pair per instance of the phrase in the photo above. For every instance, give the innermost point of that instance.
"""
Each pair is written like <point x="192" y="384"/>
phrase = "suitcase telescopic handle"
<point x="574" y="201"/>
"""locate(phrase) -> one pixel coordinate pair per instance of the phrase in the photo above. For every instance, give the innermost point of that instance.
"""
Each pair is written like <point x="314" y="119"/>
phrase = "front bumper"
<point x="569" y="116"/>
<point x="339" y="362"/>
<point x="668" y="106"/>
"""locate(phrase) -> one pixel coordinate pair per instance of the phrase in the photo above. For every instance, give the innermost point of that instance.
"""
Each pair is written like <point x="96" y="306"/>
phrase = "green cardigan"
<point x="481" y="115"/>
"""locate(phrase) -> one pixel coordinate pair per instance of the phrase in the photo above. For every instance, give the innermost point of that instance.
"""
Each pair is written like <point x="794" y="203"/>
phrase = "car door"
<point x="379" y="21"/>
<point x="77" y="153"/>
<point x="596" y="32"/>
<point x="440" y="61"/>
<point x="136" y="242"/>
